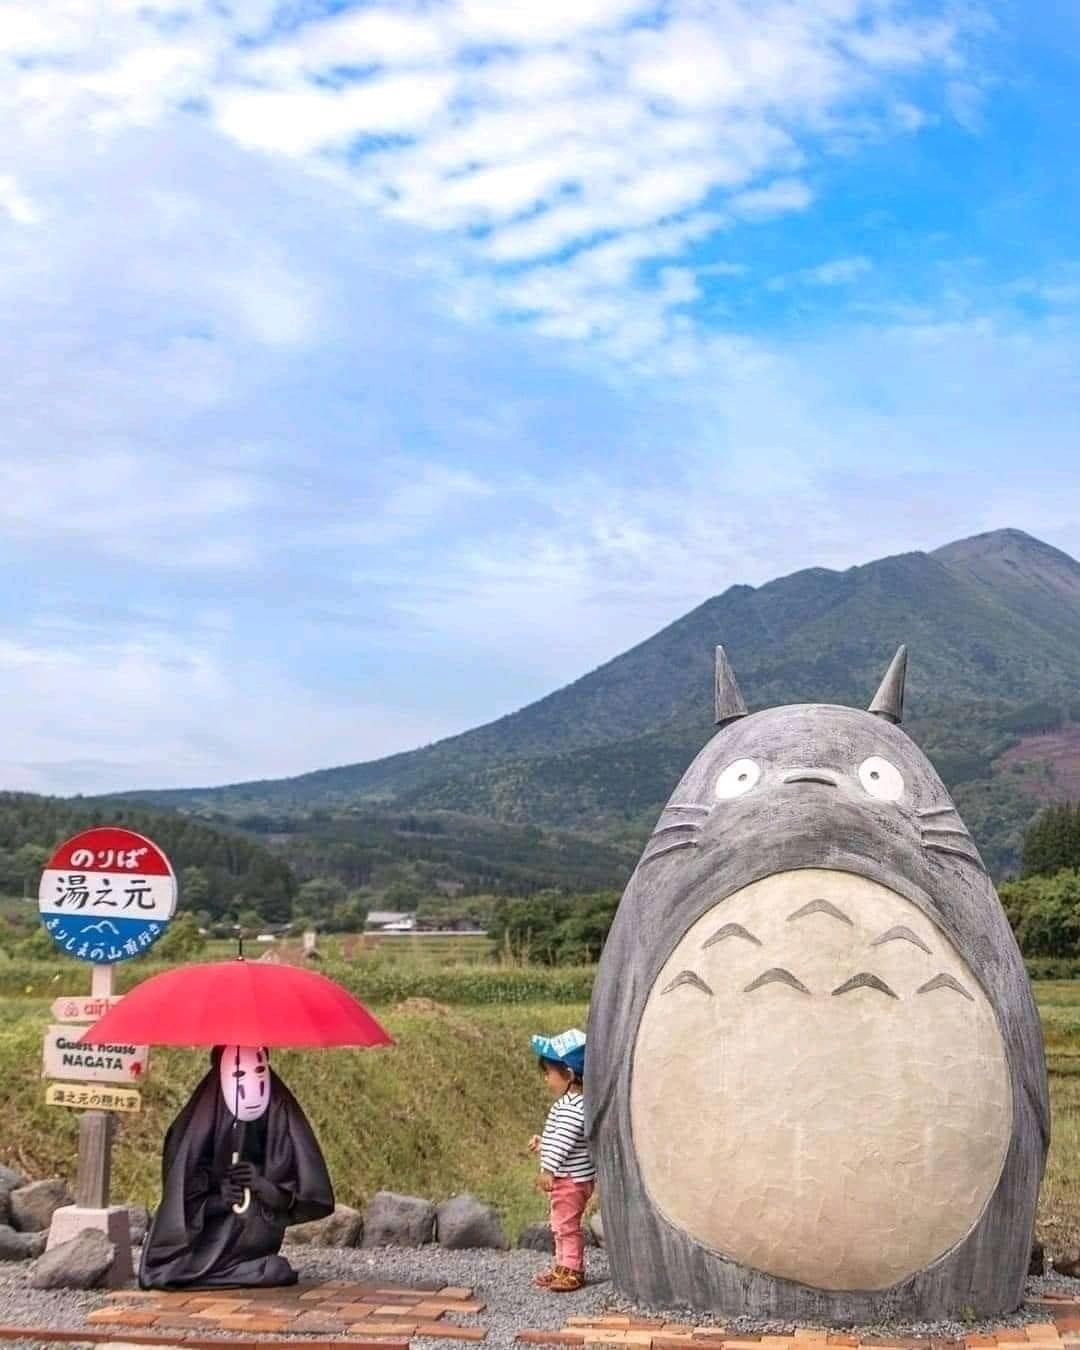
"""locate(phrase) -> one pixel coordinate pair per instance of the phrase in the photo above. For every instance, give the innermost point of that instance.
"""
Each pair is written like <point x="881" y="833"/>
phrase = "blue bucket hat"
<point x="567" y="1049"/>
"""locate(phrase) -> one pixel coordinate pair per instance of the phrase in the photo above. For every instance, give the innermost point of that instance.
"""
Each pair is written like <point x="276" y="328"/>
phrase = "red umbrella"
<point x="238" y="1003"/>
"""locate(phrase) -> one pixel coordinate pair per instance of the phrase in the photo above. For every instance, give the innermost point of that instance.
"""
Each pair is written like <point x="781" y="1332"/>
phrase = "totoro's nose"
<point x="825" y="776"/>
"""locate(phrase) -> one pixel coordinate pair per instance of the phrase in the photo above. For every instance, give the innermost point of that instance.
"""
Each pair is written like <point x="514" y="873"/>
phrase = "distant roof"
<point x="381" y="916"/>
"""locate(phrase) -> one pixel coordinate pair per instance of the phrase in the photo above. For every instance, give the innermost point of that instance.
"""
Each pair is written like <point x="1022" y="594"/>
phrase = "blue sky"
<point x="372" y="369"/>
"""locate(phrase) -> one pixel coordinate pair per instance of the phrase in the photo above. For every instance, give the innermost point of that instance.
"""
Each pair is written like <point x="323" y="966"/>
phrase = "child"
<point x="567" y="1173"/>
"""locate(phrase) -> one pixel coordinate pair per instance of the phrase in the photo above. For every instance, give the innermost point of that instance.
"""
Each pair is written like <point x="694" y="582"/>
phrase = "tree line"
<point x="1044" y="904"/>
<point x="228" y="879"/>
<point x="221" y="874"/>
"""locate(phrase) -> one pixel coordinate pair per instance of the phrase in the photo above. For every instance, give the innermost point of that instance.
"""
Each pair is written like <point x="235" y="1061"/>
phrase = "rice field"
<point x="450" y="1108"/>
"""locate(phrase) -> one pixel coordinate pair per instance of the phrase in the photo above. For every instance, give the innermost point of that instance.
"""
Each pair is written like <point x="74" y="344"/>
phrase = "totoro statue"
<point x="816" y="1086"/>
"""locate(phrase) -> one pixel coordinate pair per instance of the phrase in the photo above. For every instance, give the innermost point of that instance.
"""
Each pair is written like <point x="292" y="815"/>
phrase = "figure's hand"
<point x="231" y="1192"/>
<point x="534" y="1144"/>
<point x="246" y="1177"/>
<point x="546" y="1182"/>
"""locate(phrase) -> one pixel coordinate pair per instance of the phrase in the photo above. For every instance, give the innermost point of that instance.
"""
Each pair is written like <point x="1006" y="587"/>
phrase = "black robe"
<point x="197" y="1240"/>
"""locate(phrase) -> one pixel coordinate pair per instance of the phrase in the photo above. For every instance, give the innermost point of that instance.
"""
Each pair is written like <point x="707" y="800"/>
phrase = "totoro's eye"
<point x="738" y="778"/>
<point x="881" y="779"/>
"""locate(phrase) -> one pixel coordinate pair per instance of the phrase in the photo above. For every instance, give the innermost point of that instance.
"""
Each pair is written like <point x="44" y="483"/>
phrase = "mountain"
<point x="992" y="624"/>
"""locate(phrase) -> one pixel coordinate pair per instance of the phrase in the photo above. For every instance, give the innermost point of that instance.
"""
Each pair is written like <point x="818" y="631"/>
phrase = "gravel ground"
<point x="503" y="1280"/>
<point x="763" y="1326"/>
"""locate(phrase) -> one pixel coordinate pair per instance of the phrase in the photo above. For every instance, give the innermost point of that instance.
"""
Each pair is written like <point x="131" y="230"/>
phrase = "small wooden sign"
<point x="65" y="1058"/>
<point x="92" y="1097"/>
<point x="80" y="1009"/>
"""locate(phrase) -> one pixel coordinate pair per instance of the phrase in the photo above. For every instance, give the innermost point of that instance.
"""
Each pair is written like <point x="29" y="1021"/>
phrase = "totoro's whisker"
<point x="679" y="828"/>
<point x="687" y="806"/>
<point x="938" y="811"/>
<point x="967" y="854"/>
<point x="668" y="848"/>
<point x="943" y="832"/>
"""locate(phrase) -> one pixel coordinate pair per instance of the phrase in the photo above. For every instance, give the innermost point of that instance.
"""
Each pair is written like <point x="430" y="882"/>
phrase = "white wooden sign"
<point x="66" y="1058"/>
<point x="88" y="1097"/>
<point x="78" y="1008"/>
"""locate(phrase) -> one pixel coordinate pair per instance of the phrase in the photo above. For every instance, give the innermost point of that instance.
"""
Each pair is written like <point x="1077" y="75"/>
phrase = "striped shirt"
<point x="563" y="1150"/>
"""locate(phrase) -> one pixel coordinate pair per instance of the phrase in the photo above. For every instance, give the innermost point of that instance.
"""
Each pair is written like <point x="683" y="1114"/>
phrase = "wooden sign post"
<point x="96" y="1129"/>
<point x="106" y="896"/>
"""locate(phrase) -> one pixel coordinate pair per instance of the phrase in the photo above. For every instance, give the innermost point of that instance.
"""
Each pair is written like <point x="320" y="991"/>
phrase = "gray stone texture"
<point x="728" y="844"/>
<point x="33" y="1205"/>
<point x="82" y="1263"/>
<point x="10" y="1180"/>
<point x="343" y="1228"/>
<point x="463" y="1223"/>
<point x="139" y="1219"/>
<point x="538" y="1237"/>
<point x="20" y="1246"/>
<point x="398" y="1221"/>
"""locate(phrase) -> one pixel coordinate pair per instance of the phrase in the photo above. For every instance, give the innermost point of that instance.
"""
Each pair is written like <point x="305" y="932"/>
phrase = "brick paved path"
<point x="386" y="1317"/>
<point x="1059" y="1331"/>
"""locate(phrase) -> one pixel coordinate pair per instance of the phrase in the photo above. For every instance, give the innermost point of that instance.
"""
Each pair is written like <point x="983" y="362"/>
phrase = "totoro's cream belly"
<point x="842" y="1139"/>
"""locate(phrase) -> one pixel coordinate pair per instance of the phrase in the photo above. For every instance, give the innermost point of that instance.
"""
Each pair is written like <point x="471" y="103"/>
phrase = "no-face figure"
<point x="204" y="1234"/>
<point x="816" y="1084"/>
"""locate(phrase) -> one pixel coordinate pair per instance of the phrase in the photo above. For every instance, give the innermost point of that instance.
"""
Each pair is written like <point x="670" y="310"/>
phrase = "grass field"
<point x="1059" y="1208"/>
<point x="449" y="1108"/>
<point x="408" y="948"/>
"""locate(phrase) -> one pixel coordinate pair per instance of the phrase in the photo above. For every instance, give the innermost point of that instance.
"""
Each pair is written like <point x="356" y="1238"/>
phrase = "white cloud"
<point x="838" y="272"/>
<point x="354" y="37"/>
<point x="407" y="500"/>
<point x="16" y="203"/>
<point x="835" y="272"/>
<point x="276" y="306"/>
<point x="240" y="415"/>
<point x="769" y="471"/>
<point x="304" y="119"/>
<point x="185" y="515"/>
<point x="494" y="21"/>
<point x="889" y="43"/>
<point x="777" y="197"/>
<point x="84" y="714"/>
<point x="544" y="127"/>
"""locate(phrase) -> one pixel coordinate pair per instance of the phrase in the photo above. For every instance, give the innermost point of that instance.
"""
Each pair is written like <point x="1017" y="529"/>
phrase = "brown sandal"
<point x="567" y="1281"/>
<point x="546" y="1278"/>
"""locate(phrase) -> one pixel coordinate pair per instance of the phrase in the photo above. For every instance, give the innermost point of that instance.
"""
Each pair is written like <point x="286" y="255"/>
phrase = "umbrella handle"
<point x="242" y="1207"/>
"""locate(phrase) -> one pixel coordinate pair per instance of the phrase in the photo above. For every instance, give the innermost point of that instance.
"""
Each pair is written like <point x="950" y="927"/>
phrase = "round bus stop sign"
<point x="107" y="895"/>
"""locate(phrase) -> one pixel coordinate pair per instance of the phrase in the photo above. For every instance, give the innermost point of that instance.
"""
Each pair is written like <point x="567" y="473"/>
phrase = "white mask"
<point x="245" y="1080"/>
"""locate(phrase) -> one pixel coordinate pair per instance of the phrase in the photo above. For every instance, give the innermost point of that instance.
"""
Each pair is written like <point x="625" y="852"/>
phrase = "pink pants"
<point x="568" y="1201"/>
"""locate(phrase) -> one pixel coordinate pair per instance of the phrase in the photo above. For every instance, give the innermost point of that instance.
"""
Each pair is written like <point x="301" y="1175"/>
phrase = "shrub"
<point x="1045" y="913"/>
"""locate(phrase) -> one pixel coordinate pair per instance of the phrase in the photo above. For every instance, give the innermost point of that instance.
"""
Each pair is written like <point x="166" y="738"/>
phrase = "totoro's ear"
<point x="888" y="702"/>
<point x="729" y="701"/>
